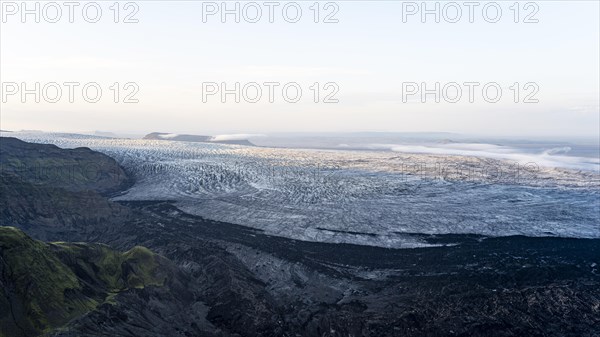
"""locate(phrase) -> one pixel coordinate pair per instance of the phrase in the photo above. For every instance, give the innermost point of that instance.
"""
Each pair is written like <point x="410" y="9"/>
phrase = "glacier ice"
<point x="364" y="197"/>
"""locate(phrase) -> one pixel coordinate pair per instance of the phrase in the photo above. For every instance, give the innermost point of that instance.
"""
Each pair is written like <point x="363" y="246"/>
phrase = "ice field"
<point x="376" y="198"/>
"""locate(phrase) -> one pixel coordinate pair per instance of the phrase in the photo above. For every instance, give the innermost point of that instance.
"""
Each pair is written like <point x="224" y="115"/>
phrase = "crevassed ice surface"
<point x="362" y="197"/>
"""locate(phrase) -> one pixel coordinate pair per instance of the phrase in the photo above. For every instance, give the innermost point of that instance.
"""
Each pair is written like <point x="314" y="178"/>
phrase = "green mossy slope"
<point x="46" y="285"/>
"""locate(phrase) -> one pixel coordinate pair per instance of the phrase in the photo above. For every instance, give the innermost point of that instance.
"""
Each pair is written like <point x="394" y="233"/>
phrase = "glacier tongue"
<point x="360" y="197"/>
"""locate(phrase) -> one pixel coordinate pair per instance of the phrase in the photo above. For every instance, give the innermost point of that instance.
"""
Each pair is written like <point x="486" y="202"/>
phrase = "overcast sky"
<point x="368" y="54"/>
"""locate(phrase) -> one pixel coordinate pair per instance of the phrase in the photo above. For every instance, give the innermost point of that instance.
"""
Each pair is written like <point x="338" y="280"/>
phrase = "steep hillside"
<point x="47" y="212"/>
<point x="47" y="285"/>
<point x="77" y="169"/>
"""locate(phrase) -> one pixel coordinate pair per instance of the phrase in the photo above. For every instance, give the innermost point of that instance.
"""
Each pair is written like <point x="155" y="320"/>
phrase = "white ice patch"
<point x="168" y="136"/>
<point x="237" y="136"/>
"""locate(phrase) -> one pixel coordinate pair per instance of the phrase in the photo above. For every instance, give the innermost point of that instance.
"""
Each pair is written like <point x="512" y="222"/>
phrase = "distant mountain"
<point x="195" y="138"/>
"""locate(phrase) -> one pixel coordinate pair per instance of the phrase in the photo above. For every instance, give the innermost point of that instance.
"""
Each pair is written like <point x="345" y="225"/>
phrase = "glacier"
<point x="380" y="198"/>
